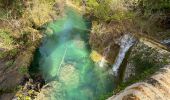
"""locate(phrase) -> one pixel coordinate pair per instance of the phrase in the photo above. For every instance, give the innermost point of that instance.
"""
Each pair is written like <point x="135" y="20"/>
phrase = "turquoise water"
<point x="65" y="60"/>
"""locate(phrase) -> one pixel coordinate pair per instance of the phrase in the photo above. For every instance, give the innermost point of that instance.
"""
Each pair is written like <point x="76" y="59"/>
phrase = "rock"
<point x="69" y="76"/>
<point x="55" y="90"/>
<point x="28" y="91"/>
<point x="166" y="42"/>
<point x="11" y="76"/>
<point x="52" y="91"/>
<point x="155" y="88"/>
<point x="144" y="55"/>
<point x="7" y="96"/>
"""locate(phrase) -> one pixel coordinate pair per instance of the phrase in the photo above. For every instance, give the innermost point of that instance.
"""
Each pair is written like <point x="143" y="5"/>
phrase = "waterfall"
<point x="166" y="42"/>
<point x="125" y="43"/>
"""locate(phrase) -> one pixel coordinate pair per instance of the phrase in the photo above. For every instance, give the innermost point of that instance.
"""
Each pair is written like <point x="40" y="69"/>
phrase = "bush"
<point x="108" y="10"/>
<point x="11" y="9"/>
<point x="9" y="63"/>
<point x="40" y="12"/>
<point x="6" y="39"/>
<point x="148" y="7"/>
<point x="23" y="70"/>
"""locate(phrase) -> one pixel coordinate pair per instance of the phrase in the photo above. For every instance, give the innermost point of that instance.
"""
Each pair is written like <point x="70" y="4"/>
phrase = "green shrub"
<point x="10" y="54"/>
<point x="148" y="7"/>
<point x="108" y="10"/>
<point x="23" y="70"/>
<point x="9" y="63"/>
<point x="6" y="38"/>
<point x="11" y="9"/>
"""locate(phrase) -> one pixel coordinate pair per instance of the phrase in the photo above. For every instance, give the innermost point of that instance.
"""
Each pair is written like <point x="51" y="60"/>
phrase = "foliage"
<point x="23" y="70"/>
<point x="40" y="12"/>
<point x="9" y="90"/>
<point x="95" y="56"/>
<point x="103" y="97"/>
<point x="134" y="79"/>
<point x="9" y="54"/>
<point x="6" y="38"/>
<point x="148" y="7"/>
<point x="109" y="9"/>
<point x="11" y="9"/>
<point x="9" y="63"/>
<point x="30" y="95"/>
<point x="153" y="16"/>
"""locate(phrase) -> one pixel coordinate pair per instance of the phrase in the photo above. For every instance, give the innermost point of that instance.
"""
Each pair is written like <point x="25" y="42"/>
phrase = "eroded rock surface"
<point x="155" y="88"/>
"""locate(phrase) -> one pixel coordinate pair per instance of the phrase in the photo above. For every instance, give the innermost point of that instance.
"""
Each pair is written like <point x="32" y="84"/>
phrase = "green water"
<point x="65" y="61"/>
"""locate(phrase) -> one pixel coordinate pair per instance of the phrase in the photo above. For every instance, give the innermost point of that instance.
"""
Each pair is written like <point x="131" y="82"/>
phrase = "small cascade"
<point x="166" y="42"/>
<point x="125" y="43"/>
<point x="103" y="61"/>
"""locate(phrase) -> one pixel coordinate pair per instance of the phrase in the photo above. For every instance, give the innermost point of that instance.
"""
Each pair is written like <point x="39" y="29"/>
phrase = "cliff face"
<point x="147" y="57"/>
<point x="156" y="87"/>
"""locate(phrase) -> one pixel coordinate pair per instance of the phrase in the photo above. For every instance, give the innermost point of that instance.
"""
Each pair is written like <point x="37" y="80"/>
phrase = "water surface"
<point x="65" y="60"/>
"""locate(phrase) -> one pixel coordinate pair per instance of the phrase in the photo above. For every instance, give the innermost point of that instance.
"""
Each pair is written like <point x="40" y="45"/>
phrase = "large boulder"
<point x="146" y="56"/>
<point x="69" y="76"/>
<point x="51" y="91"/>
<point x="156" y="87"/>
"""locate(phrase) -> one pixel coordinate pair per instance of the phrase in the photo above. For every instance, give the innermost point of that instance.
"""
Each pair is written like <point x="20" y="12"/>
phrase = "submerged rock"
<point x="69" y="76"/>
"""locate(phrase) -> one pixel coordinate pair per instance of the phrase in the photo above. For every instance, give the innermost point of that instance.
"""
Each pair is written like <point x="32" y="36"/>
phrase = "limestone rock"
<point x="69" y="75"/>
<point x="51" y="91"/>
<point x="155" y="88"/>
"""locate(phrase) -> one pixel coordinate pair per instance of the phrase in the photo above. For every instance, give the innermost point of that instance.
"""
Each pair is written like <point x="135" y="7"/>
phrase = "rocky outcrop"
<point x="51" y="91"/>
<point x="147" y="57"/>
<point x="146" y="54"/>
<point x="156" y="87"/>
<point x="12" y="76"/>
<point x="56" y="89"/>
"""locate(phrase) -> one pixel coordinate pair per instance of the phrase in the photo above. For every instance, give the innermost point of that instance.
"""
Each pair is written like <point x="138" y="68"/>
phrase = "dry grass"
<point x="40" y="11"/>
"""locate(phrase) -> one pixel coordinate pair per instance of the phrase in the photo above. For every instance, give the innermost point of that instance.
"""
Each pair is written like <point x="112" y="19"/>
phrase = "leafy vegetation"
<point x="9" y="90"/>
<point x="23" y="70"/>
<point x="9" y="63"/>
<point x="9" y="54"/>
<point x="11" y="9"/>
<point x="6" y="39"/>
<point x="149" y="7"/>
<point x="108" y="10"/>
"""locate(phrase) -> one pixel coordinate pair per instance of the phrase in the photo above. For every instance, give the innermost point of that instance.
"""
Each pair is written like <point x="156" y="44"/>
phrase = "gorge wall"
<point x="156" y="87"/>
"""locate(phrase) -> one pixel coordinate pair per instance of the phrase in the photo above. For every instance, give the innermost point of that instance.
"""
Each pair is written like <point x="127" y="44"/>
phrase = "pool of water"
<point x="65" y="60"/>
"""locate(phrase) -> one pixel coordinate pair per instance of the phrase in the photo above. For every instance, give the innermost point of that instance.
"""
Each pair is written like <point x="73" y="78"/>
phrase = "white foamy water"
<point x="102" y="63"/>
<point x="125" y="43"/>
